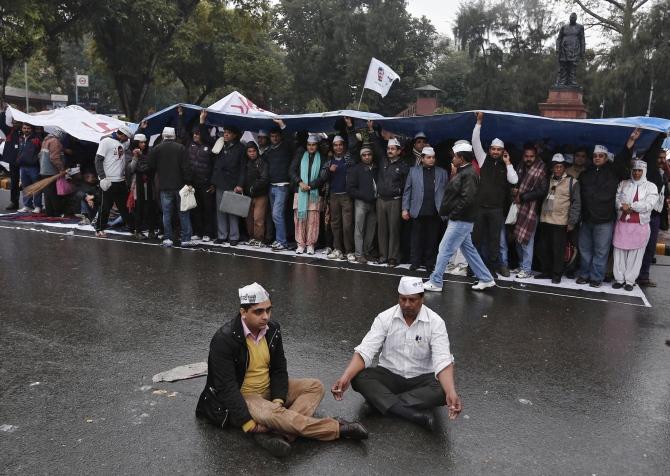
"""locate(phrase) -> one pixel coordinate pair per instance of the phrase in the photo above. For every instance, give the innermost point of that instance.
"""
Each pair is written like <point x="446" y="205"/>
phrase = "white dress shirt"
<point x="407" y="351"/>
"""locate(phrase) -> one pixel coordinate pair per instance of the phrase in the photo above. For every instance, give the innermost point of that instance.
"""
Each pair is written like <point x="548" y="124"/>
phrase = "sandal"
<point x="101" y="234"/>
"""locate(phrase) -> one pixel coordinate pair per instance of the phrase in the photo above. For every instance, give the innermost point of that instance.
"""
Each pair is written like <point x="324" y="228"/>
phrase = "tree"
<point x="220" y="47"/>
<point x="131" y="37"/>
<point x="329" y="45"/>
<point x="620" y="19"/>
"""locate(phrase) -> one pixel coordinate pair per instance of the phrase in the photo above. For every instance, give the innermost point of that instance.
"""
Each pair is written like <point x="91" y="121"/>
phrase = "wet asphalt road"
<point x="550" y="384"/>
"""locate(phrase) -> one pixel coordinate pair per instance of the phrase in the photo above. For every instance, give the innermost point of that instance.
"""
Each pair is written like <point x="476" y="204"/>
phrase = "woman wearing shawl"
<point x="305" y="175"/>
<point x="635" y="199"/>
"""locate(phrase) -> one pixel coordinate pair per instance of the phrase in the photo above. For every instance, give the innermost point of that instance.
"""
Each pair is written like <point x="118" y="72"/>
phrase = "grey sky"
<point x="441" y="13"/>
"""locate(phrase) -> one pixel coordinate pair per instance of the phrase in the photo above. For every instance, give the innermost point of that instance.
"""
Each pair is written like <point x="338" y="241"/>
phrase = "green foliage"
<point x="316" y="105"/>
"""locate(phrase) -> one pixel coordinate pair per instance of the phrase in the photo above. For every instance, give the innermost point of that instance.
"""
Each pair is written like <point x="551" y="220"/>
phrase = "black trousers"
<point x="486" y="235"/>
<point x="15" y="178"/>
<point x="382" y="389"/>
<point x="203" y="216"/>
<point x="425" y="239"/>
<point x="117" y="193"/>
<point x="53" y="203"/>
<point x="552" y="248"/>
<point x="146" y="211"/>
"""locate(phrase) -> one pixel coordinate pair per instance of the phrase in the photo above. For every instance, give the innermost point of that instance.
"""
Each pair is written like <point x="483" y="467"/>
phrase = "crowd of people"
<point x="365" y="195"/>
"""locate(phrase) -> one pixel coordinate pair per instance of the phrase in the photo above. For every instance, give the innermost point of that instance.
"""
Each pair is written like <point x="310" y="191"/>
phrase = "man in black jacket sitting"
<point x="248" y="385"/>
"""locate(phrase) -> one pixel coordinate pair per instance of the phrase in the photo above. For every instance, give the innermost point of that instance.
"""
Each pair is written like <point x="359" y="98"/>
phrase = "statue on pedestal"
<point x="570" y="47"/>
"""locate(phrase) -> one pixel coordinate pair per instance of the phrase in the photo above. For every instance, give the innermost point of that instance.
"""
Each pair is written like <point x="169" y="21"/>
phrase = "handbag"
<point x="235" y="204"/>
<point x="512" y="214"/>
<point x="63" y="187"/>
<point x="187" y="198"/>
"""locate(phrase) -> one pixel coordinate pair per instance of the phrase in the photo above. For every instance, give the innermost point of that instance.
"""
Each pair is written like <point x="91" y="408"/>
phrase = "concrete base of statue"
<point x="564" y="103"/>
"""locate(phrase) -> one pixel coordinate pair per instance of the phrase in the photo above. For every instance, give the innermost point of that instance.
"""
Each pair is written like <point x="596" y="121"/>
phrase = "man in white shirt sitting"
<point x="416" y="368"/>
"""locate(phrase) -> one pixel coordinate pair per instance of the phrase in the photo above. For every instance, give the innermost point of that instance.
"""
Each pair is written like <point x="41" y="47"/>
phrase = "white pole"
<point x="361" y="99"/>
<point x="25" y="77"/>
<point x="651" y="98"/>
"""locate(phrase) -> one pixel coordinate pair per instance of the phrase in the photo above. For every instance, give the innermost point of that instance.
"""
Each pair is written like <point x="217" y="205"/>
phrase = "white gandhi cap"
<point x="410" y="285"/>
<point x="253" y="294"/>
<point x="498" y="143"/>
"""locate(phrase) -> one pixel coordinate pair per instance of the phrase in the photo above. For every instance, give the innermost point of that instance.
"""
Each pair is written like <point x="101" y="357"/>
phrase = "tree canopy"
<point x="305" y="55"/>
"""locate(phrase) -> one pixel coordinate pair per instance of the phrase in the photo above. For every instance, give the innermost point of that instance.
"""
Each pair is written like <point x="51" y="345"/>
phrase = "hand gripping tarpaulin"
<point x="513" y="128"/>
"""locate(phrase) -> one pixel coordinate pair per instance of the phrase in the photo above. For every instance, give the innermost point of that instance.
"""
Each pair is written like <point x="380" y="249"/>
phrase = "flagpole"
<point x="361" y="99"/>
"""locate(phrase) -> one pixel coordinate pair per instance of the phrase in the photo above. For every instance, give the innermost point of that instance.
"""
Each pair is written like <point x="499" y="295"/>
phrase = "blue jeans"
<point x="170" y="199"/>
<point x="30" y="175"/>
<point x="525" y="253"/>
<point x="278" y="197"/>
<point x="595" y="241"/>
<point x="458" y="235"/>
<point x="504" y="251"/>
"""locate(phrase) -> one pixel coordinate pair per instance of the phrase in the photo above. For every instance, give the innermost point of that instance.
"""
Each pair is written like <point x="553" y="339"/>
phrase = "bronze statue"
<point x="570" y="46"/>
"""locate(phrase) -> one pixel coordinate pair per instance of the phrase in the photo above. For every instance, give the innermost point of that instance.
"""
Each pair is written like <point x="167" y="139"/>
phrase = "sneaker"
<point x="361" y="260"/>
<point x="515" y="271"/>
<point x="275" y="244"/>
<point x="335" y="254"/>
<point x="279" y="247"/>
<point x="195" y="238"/>
<point x="310" y="250"/>
<point x="167" y="243"/>
<point x="481" y="285"/>
<point x="188" y="244"/>
<point x="351" y="258"/>
<point x="300" y="250"/>
<point x="524" y="275"/>
<point x="206" y="239"/>
<point x="24" y="210"/>
<point x="429" y="286"/>
<point x="328" y="250"/>
<point x="37" y="210"/>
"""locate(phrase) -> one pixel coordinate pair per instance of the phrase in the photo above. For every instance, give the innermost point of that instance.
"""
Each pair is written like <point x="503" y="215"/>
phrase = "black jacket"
<point x="278" y="158"/>
<point x="256" y="180"/>
<point x="391" y="178"/>
<point x="221" y="401"/>
<point x="361" y="182"/>
<point x="598" y="186"/>
<point x="229" y="169"/>
<point x="495" y="188"/>
<point x="459" y="202"/>
<point x="294" y="171"/>
<point x="200" y="159"/>
<point x="169" y="161"/>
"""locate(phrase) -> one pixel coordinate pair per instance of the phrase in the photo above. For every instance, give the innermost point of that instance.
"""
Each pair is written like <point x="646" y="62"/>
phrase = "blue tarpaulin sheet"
<point x="512" y="128"/>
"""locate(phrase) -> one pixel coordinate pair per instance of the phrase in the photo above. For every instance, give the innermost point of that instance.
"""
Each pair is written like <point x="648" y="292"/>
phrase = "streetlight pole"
<point x="76" y="89"/>
<point x="25" y="78"/>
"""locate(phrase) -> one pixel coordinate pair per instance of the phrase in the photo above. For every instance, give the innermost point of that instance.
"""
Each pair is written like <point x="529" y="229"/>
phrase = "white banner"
<point x="380" y="77"/>
<point x="82" y="80"/>
<point x="74" y="120"/>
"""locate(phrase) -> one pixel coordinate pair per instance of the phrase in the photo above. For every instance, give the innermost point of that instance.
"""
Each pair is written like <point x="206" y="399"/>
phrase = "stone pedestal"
<point x="564" y="103"/>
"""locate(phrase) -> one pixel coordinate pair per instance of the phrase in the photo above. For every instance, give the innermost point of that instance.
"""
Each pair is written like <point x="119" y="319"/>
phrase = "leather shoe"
<point x="423" y="419"/>
<point x="352" y="430"/>
<point x="503" y="271"/>
<point x="581" y="280"/>
<point x="273" y="444"/>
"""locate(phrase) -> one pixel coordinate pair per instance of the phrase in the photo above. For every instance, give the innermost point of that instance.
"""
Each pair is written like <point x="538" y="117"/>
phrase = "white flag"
<point x="380" y="77"/>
